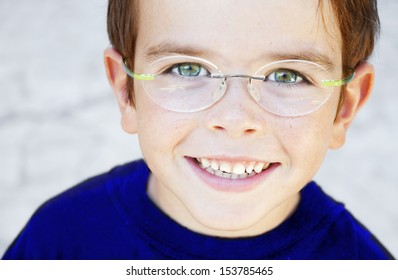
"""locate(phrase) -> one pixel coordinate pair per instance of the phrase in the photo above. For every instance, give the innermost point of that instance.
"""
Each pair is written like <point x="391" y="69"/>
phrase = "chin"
<point x="230" y="225"/>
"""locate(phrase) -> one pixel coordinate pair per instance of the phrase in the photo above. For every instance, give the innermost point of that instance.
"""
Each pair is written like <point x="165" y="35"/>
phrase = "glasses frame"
<point x="224" y="77"/>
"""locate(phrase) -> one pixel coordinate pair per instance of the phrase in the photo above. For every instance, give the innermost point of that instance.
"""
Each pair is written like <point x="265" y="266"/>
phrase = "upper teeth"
<point x="238" y="168"/>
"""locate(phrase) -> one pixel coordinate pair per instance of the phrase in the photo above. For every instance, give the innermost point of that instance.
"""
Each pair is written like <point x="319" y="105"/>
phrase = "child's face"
<point x="239" y="37"/>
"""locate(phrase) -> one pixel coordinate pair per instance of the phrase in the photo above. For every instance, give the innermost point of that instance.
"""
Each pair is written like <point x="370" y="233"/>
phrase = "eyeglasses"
<point x="285" y="88"/>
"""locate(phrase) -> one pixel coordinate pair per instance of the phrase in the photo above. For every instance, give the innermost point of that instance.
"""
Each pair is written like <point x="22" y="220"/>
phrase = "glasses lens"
<point x="183" y="84"/>
<point x="291" y="87"/>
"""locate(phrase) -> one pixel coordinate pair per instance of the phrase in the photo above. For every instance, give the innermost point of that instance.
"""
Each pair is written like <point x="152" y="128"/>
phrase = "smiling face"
<point x="232" y="169"/>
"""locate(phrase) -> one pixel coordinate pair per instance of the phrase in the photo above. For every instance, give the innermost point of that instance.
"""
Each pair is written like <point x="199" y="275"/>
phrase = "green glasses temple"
<point x="146" y="77"/>
<point x="149" y="77"/>
<point x="336" y="83"/>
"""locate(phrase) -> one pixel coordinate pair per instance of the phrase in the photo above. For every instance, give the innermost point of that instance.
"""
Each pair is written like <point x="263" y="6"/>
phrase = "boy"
<point x="235" y="104"/>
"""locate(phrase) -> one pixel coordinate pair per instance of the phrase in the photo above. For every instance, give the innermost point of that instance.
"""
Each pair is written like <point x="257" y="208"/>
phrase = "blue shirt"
<point x="110" y="216"/>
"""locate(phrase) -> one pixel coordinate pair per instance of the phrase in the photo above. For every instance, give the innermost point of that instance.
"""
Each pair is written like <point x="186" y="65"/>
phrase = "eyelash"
<point x="169" y="70"/>
<point x="305" y="81"/>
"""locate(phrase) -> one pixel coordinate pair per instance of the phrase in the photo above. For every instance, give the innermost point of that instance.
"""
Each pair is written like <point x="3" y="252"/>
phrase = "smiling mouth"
<point x="232" y="170"/>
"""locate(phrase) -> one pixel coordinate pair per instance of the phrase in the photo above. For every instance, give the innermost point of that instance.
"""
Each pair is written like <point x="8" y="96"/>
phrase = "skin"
<point x="239" y="37"/>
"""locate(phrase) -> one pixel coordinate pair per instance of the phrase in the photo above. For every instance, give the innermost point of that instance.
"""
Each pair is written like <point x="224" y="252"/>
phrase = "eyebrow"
<point x="308" y="55"/>
<point x="157" y="51"/>
<point x="154" y="52"/>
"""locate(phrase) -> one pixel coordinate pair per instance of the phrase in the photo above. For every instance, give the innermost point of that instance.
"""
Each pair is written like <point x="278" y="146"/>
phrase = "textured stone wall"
<point x="59" y="123"/>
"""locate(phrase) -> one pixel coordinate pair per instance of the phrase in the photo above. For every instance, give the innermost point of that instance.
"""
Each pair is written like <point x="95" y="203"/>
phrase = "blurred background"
<point x="59" y="123"/>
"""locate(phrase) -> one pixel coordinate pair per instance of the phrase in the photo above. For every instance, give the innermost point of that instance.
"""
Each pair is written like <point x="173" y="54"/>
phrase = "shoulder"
<point x="81" y="214"/>
<point x="90" y="194"/>
<point x="337" y="234"/>
<point x="348" y="232"/>
<point x="325" y="229"/>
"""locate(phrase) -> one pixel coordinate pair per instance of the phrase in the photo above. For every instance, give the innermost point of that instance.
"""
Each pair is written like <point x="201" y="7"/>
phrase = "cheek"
<point x="306" y="140"/>
<point x="159" y="130"/>
<point x="318" y="126"/>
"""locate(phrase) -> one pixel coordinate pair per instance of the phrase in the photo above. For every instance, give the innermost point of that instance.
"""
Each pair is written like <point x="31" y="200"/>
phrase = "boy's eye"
<point x="189" y="70"/>
<point x="285" y="76"/>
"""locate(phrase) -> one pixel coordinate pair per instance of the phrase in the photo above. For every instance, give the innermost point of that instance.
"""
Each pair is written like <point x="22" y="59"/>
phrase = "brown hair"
<point x="122" y="26"/>
<point x="358" y="21"/>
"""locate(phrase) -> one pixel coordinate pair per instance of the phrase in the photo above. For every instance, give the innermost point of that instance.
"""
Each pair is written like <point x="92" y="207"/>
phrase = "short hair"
<point x="358" y="22"/>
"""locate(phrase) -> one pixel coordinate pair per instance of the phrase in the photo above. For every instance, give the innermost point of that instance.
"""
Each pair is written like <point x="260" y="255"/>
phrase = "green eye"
<point x="285" y="76"/>
<point x="189" y="69"/>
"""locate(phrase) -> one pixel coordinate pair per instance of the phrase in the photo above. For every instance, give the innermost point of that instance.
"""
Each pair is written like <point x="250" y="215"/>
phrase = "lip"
<point x="230" y="185"/>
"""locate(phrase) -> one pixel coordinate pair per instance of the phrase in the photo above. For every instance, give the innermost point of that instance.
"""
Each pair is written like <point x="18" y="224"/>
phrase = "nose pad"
<point x="233" y="116"/>
<point x="219" y="91"/>
<point x="253" y="92"/>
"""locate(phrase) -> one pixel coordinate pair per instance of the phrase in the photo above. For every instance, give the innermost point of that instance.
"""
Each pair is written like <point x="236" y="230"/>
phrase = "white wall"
<point x="59" y="123"/>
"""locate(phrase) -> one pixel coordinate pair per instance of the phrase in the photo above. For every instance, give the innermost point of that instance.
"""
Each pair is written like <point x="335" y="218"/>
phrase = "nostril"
<point x="234" y="131"/>
<point x="250" y="131"/>
<point x="218" y="127"/>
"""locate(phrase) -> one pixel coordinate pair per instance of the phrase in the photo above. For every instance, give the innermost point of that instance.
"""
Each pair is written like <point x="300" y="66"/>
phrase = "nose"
<point x="236" y="113"/>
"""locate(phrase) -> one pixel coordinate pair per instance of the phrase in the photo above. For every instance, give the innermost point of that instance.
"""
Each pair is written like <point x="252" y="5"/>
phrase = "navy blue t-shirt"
<point x="111" y="217"/>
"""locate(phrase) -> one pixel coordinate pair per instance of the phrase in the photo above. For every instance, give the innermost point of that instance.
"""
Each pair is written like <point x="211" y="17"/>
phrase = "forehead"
<point x="234" y="30"/>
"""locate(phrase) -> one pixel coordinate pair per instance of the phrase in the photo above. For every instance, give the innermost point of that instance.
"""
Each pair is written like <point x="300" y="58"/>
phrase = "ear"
<point x="355" y="96"/>
<point x="117" y="80"/>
